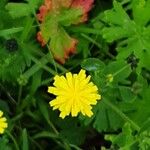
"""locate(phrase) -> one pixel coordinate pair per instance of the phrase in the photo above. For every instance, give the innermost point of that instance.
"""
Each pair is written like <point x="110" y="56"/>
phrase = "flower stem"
<point x="13" y="139"/>
<point x="53" y="127"/>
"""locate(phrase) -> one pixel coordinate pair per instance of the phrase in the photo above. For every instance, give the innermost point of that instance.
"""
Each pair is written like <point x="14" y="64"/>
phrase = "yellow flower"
<point x="74" y="93"/>
<point x="3" y="123"/>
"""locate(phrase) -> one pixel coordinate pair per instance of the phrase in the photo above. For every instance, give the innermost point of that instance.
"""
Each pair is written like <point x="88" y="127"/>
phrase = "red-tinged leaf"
<point x="44" y="9"/>
<point x="40" y="39"/>
<point x="65" y="3"/>
<point x="54" y="15"/>
<point x="62" y="45"/>
<point x="85" y="5"/>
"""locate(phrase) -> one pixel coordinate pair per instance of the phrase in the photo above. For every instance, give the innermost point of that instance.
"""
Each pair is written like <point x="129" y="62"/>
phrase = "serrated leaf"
<point x="62" y="45"/>
<point x="53" y="18"/>
<point x="142" y="104"/>
<point x="104" y="119"/>
<point x="133" y="34"/>
<point x="124" y="140"/>
<point x="130" y="140"/>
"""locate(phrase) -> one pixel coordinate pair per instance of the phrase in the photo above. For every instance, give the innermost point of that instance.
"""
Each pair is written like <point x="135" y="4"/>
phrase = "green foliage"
<point x="25" y="145"/>
<point x="113" y="47"/>
<point x="54" y="33"/>
<point x="128" y="140"/>
<point x="4" y="143"/>
<point x="17" y="10"/>
<point x="132" y="35"/>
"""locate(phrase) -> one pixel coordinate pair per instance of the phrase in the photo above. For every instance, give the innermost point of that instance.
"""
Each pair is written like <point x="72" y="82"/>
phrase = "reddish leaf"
<point x="44" y="9"/>
<point x="40" y="39"/>
<point x="85" y="5"/>
<point x="62" y="45"/>
<point x="53" y="18"/>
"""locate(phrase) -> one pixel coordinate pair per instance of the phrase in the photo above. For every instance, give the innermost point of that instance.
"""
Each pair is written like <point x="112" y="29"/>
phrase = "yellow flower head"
<point x="74" y="93"/>
<point x="3" y="123"/>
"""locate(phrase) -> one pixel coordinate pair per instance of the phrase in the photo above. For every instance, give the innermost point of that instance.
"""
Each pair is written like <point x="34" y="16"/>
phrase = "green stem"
<point x="121" y="114"/>
<point x="19" y="94"/>
<point x="51" y="56"/>
<point x="66" y="146"/>
<point x="18" y="117"/>
<point x="36" y="67"/>
<point x="43" y="66"/>
<point x="97" y="44"/>
<point x="91" y="40"/>
<point x="116" y="73"/>
<point x="36" y="143"/>
<point x="53" y="127"/>
<point x="12" y="100"/>
<point x="60" y="67"/>
<point x="13" y="139"/>
<point x="46" y="81"/>
<point x="75" y="147"/>
<point x="86" y="30"/>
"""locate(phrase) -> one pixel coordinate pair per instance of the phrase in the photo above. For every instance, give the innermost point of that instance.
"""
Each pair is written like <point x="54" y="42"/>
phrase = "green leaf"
<point x="4" y="143"/>
<point x="25" y="145"/>
<point x="6" y="61"/>
<point x="124" y="140"/>
<point x="54" y="34"/>
<point x="130" y="140"/>
<point x="133" y="35"/>
<point x="4" y="104"/>
<point x="6" y="32"/>
<point x="104" y="119"/>
<point x="141" y="8"/>
<point x="76" y="133"/>
<point x="69" y="16"/>
<point x="61" y="44"/>
<point x="126" y="94"/>
<point x="119" y="69"/>
<point x="17" y="10"/>
<point x="142" y="104"/>
<point x="34" y="3"/>
<point x="92" y="64"/>
<point x="36" y="82"/>
<point x="44" y="134"/>
<point x="43" y="109"/>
